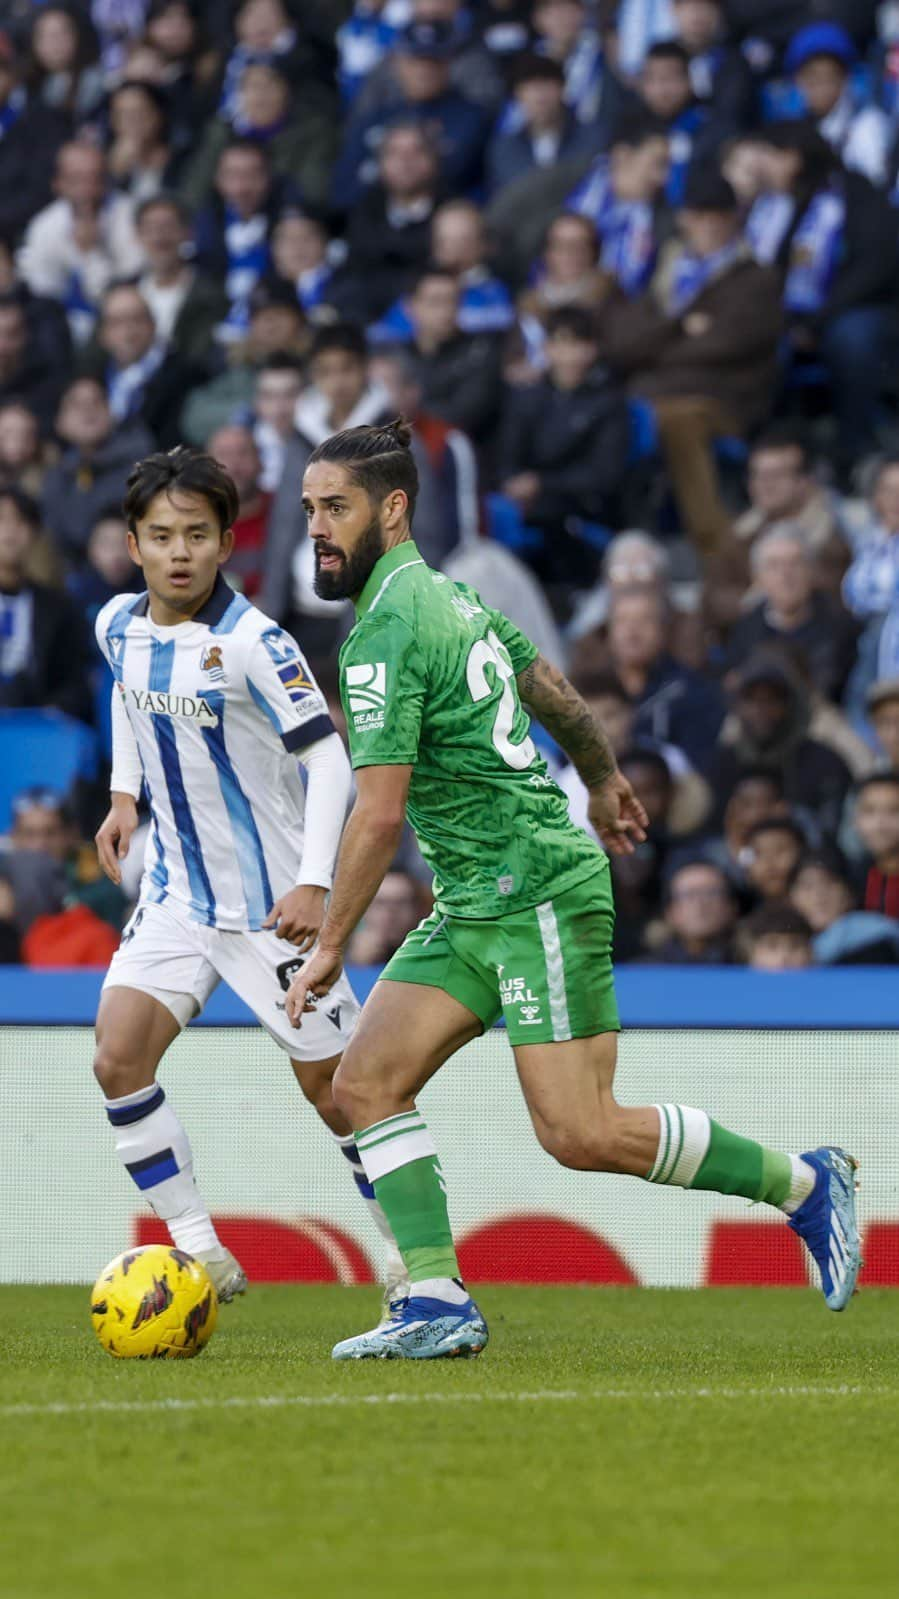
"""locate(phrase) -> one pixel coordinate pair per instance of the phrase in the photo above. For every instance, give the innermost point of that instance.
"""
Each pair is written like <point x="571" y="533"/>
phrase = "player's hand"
<point x="298" y="916"/>
<point x="617" y="815"/>
<point x="317" y="976"/>
<point x="114" y="836"/>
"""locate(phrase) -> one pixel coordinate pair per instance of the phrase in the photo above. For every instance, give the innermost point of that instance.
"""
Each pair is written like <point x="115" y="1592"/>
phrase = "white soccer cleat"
<point x="226" y="1274"/>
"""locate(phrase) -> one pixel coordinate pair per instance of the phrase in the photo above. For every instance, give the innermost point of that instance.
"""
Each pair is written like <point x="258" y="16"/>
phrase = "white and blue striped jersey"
<point x="220" y="707"/>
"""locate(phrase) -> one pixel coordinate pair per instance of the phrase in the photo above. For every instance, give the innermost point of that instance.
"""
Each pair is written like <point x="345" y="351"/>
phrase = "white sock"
<point x="394" y="1266"/>
<point x="684" y="1135"/>
<point x="155" y="1151"/>
<point x="803" y="1181"/>
<point x="440" y="1288"/>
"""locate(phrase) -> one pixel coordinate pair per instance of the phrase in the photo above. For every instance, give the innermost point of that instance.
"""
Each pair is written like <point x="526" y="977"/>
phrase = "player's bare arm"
<point x="369" y="844"/>
<point x="614" y="810"/>
<point x="113" y="838"/>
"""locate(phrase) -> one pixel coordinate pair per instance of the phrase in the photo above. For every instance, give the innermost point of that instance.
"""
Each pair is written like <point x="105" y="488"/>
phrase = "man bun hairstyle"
<point x="187" y="471"/>
<point x="378" y="459"/>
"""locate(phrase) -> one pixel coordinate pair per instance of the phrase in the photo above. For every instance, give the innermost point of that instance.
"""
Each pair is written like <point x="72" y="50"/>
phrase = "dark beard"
<point x="351" y="578"/>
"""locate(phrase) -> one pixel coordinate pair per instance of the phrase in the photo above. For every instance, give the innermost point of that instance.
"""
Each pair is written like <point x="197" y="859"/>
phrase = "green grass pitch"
<point x="628" y="1443"/>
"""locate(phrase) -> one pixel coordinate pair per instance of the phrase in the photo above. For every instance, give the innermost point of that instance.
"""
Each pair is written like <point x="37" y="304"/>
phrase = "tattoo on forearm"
<point x="563" y="713"/>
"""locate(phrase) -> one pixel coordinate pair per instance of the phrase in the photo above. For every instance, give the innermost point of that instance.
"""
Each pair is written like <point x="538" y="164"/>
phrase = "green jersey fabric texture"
<point x="427" y="678"/>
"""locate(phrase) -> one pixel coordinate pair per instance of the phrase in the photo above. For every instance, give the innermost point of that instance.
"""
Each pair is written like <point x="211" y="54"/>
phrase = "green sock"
<point x="401" y="1162"/>
<point x="696" y="1152"/>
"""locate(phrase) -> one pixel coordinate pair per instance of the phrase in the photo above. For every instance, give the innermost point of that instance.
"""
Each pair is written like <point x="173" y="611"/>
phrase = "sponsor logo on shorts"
<point x="367" y="686"/>
<point x="287" y="971"/>
<point x="153" y="702"/>
<point x="515" y="993"/>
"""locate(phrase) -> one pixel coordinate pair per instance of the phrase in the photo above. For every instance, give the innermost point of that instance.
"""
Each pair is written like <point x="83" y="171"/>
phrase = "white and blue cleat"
<point x="827" y="1224"/>
<point x="420" y="1329"/>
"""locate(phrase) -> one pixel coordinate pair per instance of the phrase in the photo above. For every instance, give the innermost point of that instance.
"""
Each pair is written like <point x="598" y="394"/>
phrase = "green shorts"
<point x="547" y="970"/>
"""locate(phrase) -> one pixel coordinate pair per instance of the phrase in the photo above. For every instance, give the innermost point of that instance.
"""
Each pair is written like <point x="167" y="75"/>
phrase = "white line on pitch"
<point x="544" y="1396"/>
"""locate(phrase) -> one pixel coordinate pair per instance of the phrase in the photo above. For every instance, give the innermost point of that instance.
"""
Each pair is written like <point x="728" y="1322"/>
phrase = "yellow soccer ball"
<point x="154" y="1303"/>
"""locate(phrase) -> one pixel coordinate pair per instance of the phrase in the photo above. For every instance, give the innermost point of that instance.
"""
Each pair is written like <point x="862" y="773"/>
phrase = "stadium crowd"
<point x="631" y="270"/>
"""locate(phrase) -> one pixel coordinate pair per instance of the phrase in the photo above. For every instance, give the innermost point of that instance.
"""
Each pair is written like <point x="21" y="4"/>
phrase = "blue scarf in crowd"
<point x="815" y="250"/>
<point x="625" y="227"/>
<point x="692" y="274"/>
<point x="125" y="385"/>
<point x="241" y="58"/>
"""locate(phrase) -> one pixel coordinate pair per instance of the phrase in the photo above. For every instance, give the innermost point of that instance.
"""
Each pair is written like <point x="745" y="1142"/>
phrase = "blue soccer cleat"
<point x="827" y="1225"/>
<point x="420" y="1329"/>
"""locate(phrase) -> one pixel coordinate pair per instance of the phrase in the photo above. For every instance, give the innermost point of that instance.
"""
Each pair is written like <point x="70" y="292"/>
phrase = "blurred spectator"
<point x="420" y="60"/>
<point x="720" y="76"/>
<point x="821" y="888"/>
<point x="61" y="70"/>
<point x="42" y="822"/>
<point x="768" y="728"/>
<point x="32" y="135"/>
<point x="97" y="454"/>
<point x="772" y="852"/>
<point x="632" y="560"/>
<point x="188" y="65"/>
<point x="790" y="612"/>
<point x="45" y="652"/>
<point x="107" y="568"/>
<point x="621" y="194"/>
<point x="700" y="917"/>
<point x="10" y="951"/>
<point x="783" y="488"/>
<point x="876" y="822"/>
<point x="757" y="796"/>
<point x="363" y="41"/>
<point x="26" y="375"/>
<point x="277" y="326"/>
<point x="567" y="273"/>
<point x="543" y="131"/>
<point x="701" y="346"/>
<point x="666" y="91"/>
<point x="23" y="458"/>
<point x="389" y="227"/>
<point x="296" y="131"/>
<point x="460" y="372"/>
<point x="395" y="910"/>
<point x="49" y="339"/>
<point x="140" y="157"/>
<point x="823" y="892"/>
<point x="476" y="68"/>
<point x="566" y="34"/>
<point x="265" y="32"/>
<point x="564" y="448"/>
<point x="459" y="244"/>
<point x="675" y="705"/>
<point x="773" y="23"/>
<point x="143" y="380"/>
<point x="231" y="229"/>
<point x="83" y="240"/>
<point x="883" y="712"/>
<point x="279" y="385"/>
<point x="833" y="236"/>
<point x="235" y="448"/>
<point x="871" y="585"/>
<point x="186" y="305"/>
<point x="302" y="254"/>
<point x="820" y="58"/>
<point x="776" y="938"/>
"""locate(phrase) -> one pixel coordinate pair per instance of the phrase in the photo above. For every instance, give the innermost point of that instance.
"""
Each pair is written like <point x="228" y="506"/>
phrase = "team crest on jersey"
<point x="296" y="680"/>
<point x="367" y="689"/>
<point x="211" y="662"/>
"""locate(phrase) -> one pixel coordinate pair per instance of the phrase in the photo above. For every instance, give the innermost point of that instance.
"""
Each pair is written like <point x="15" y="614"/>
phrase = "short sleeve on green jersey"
<point x="382" y="685"/>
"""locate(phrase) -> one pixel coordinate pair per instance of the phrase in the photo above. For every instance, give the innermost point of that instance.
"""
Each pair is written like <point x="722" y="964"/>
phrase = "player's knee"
<point x="116" y="1075"/>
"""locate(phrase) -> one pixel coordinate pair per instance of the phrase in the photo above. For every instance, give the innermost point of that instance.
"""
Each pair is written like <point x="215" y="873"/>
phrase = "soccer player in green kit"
<point x="437" y="688"/>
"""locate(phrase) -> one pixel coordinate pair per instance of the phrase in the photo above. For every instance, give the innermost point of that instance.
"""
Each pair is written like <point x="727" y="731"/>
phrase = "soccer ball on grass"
<point x="154" y="1303"/>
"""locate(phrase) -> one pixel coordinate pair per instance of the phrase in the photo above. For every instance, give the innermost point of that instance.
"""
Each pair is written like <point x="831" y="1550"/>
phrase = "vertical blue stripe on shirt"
<point x="247" y="843"/>
<point x="159" y="877"/>
<point x="264" y="706"/>
<point x="116" y="639"/>
<point x="162" y="657"/>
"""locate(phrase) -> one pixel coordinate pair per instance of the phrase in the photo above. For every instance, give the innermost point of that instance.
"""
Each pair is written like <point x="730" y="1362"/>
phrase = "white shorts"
<point x="179" y="962"/>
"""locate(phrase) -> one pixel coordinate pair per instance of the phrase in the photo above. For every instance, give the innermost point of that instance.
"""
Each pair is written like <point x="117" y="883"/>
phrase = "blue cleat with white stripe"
<point x="827" y="1224"/>
<point x="420" y="1329"/>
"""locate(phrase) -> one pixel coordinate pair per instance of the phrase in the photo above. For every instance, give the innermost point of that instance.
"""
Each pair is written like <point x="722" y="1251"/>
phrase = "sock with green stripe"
<point x="400" y="1161"/>
<point x="695" y="1152"/>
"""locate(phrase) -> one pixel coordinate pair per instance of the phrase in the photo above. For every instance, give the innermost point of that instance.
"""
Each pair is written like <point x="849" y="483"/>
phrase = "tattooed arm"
<point x="613" y="807"/>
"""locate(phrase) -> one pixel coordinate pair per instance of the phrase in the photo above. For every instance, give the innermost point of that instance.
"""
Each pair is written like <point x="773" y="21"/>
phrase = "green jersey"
<point x="427" y="678"/>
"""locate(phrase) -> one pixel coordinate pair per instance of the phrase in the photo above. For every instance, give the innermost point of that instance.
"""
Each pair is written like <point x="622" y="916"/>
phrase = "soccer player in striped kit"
<point x="213" y="710"/>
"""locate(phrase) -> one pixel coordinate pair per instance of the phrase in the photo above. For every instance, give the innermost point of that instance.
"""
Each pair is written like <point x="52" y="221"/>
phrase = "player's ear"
<point x="226" y="544"/>
<point x="134" y="548"/>
<point x="395" y="508"/>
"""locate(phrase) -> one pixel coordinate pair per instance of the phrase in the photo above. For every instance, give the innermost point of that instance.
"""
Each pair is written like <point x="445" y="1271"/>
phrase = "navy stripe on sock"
<point x="126" y="1114"/>
<point x="359" y="1178"/>
<point x="364" y="1186"/>
<point x="153" y="1169"/>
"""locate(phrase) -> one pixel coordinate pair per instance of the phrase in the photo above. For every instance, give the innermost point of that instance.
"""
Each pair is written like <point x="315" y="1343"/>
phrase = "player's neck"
<point x="165" y="615"/>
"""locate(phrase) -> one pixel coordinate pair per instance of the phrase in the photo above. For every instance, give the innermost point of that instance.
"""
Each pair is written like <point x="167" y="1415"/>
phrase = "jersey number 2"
<point x="486" y="652"/>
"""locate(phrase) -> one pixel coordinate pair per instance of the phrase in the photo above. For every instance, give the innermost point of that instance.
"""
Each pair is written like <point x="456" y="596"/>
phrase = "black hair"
<point x="669" y="50"/>
<point x="588" y="227"/>
<point x="241" y="146"/>
<point x="784" y="436"/>
<point x="801" y="134"/>
<point x="636" y="126"/>
<point x="433" y="269"/>
<point x="281" y="361"/>
<point x="688" y="862"/>
<point x="536" y="69"/>
<point x="876" y="777"/>
<point x="759" y="773"/>
<point x="378" y="459"/>
<point x="192" y="471"/>
<point x="24" y="504"/>
<point x="830" y="859"/>
<point x="641" y="755"/>
<point x="594" y="684"/>
<point x="776" y="919"/>
<point x="575" y="320"/>
<point x="345" y="336"/>
<point x="172" y="202"/>
<point x="778" y="824"/>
